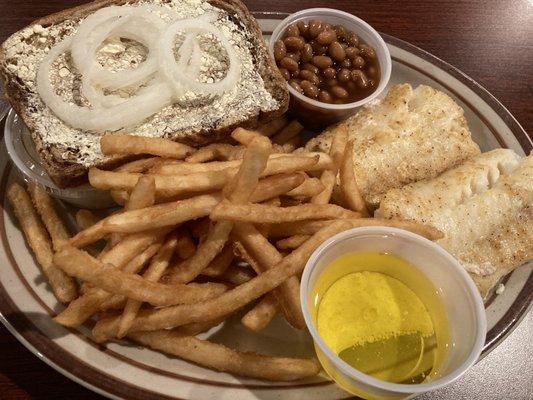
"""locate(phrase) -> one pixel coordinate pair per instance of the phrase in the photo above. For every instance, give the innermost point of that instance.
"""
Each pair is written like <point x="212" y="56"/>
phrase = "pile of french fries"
<point x="202" y="234"/>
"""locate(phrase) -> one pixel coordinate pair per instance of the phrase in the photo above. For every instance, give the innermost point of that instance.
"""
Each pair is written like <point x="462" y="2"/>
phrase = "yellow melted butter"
<point x="382" y="316"/>
<point x="364" y="307"/>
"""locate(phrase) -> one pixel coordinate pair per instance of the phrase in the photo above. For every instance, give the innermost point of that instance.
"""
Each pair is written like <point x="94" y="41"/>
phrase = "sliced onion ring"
<point x="180" y="80"/>
<point x="129" y="113"/>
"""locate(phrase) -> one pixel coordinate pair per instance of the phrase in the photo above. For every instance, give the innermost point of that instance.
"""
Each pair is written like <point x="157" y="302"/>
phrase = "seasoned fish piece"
<point x="408" y="136"/>
<point x="484" y="208"/>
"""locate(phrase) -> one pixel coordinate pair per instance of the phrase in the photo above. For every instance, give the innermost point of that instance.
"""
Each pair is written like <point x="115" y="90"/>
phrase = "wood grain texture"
<point x="491" y="41"/>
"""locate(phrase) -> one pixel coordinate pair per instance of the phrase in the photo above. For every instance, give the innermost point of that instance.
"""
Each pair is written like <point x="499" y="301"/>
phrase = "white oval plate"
<point x="124" y="371"/>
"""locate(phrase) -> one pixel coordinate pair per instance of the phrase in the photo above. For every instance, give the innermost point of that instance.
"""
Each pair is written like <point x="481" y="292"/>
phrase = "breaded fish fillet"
<point x="408" y="136"/>
<point x="484" y="207"/>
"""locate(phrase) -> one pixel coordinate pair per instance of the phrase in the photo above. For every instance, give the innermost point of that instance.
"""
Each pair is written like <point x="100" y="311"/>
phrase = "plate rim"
<point x="98" y="382"/>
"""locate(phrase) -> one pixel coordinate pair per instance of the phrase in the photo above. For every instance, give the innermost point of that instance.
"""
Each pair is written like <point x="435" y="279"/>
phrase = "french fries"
<point x="62" y="285"/>
<point x="262" y="256"/>
<point x="311" y="227"/>
<point x="350" y="190"/>
<point x="127" y="144"/>
<point x="81" y="265"/>
<point x="258" y="317"/>
<point x="292" y="242"/>
<point x="288" y="133"/>
<point x="221" y="358"/>
<point x="192" y="244"/>
<point x="216" y="151"/>
<point x="327" y="180"/>
<point x="45" y="207"/>
<point x="220" y="263"/>
<point x="309" y="187"/>
<point x="228" y="302"/>
<point x="154" y="272"/>
<point x="277" y="164"/>
<point x="85" y="219"/>
<point x="142" y="195"/>
<point x="260" y="214"/>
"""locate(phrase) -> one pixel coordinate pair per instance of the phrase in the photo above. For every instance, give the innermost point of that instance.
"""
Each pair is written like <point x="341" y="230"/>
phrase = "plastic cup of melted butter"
<point x="391" y="313"/>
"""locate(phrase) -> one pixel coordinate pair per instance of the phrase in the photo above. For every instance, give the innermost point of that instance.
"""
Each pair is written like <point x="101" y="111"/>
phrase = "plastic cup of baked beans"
<point x="333" y="62"/>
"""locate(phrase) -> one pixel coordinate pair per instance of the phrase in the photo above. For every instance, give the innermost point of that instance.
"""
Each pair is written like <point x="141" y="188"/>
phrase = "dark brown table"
<point x="491" y="41"/>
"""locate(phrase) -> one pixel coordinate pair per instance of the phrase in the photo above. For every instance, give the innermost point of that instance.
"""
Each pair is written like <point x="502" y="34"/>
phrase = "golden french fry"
<point x="348" y="183"/>
<point x="261" y="314"/>
<point x="310" y="187"/>
<point x="292" y="242"/>
<point x="311" y="227"/>
<point x="119" y="196"/>
<point x="142" y="195"/>
<point x="86" y="219"/>
<point x="154" y="272"/>
<point x="161" y="215"/>
<point x="81" y="265"/>
<point x="215" y="151"/>
<point x="221" y="358"/>
<point x="245" y="136"/>
<point x="287" y="229"/>
<point x="64" y="287"/>
<point x="272" y="127"/>
<point x="276" y="185"/>
<point x="220" y="263"/>
<point x="44" y="205"/>
<point x="185" y="168"/>
<point x="229" y="301"/>
<point x="129" y="255"/>
<point x="327" y="179"/>
<point x="260" y="213"/>
<point x="141" y="165"/>
<point x="132" y="267"/>
<point x="277" y="164"/>
<point x="239" y="190"/>
<point x="262" y="256"/>
<point x="289" y="132"/>
<point x="254" y="164"/>
<point x="166" y="185"/>
<point x="215" y="240"/>
<point x="129" y="144"/>
<point x="338" y="144"/>
<point x="131" y="245"/>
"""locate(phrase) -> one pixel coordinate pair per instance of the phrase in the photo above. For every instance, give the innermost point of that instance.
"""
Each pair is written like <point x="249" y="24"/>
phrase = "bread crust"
<point x="69" y="174"/>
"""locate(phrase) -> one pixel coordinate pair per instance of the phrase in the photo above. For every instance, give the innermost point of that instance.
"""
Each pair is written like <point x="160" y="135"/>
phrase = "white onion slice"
<point x="181" y="81"/>
<point x="129" y="113"/>
<point x="157" y="80"/>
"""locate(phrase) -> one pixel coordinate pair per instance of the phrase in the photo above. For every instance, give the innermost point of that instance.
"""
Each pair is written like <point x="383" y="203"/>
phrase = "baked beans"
<point x="327" y="62"/>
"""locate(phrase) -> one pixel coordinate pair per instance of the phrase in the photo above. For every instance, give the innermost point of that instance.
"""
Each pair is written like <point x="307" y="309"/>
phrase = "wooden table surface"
<point x="491" y="41"/>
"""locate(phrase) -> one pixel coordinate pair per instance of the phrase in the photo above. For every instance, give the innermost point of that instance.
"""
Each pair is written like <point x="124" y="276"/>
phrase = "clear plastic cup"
<point x="315" y="114"/>
<point x="21" y="150"/>
<point x="457" y="292"/>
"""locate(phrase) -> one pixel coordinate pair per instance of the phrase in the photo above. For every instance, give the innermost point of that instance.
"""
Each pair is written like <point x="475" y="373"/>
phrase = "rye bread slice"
<point x="67" y="173"/>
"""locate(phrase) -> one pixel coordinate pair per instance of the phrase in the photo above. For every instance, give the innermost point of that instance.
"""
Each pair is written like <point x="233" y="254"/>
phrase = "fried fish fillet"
<point x="484" y="207"/>
<point x="408" y="136"/>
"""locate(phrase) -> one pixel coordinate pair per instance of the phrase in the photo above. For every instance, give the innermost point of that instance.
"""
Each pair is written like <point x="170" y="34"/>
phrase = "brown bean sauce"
<point x="324" y="52"/>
